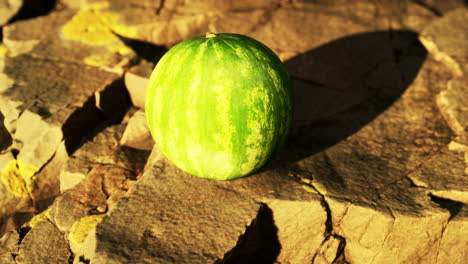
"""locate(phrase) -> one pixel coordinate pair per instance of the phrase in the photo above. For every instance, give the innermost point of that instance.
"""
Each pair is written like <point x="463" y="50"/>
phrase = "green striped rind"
<point x="218" y="107"/>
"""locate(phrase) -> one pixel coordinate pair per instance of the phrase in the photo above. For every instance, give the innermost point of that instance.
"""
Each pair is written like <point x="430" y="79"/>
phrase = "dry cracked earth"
<point x="375" y="169"/>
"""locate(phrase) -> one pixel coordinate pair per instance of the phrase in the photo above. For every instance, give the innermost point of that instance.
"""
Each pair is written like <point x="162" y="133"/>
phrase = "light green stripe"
<point x="194" y="147"/>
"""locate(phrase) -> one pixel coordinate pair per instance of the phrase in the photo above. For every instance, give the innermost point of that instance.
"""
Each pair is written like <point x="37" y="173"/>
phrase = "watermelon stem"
<point x="210" y="35"/>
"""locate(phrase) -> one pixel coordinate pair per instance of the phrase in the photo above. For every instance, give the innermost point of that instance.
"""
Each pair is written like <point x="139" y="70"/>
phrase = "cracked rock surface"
<point x="375" y="169"/>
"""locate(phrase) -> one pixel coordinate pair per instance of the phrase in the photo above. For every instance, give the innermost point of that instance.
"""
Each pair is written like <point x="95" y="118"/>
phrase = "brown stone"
<point x="442" y="39"/>
<point x="373" y="172"/>
<point x="137" y="134"/>
<point x="204" y="219"/>
<point x="136" y="80"/>
<point x="452" y="102"/>
<point x="5" y="136"/>
<point x="453" y="242"/>
<point x="103" y="149"/>
<point x="52" y="99"/>
<point x="44" y="244"/>
<point x="9" y="243"/>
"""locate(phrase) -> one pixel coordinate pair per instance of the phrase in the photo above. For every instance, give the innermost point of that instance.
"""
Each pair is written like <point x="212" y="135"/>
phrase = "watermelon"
<point x="219" y="106"/>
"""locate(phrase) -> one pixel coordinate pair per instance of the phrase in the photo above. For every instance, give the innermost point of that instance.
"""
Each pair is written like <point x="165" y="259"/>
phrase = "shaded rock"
<point x="95" y="194"/>
<point x="44" y="244"/>
<point x="8" y="8"/>
<point x="367" y="145"/>
<point x="259" y="243"/>
<point x="103" y="149"/>
<point x="449" y="183"/>
<point x="137" y="134"/>
<point x="440" y="8"/>
<point x="374" y="68"/>
<point x="5" y="136"/>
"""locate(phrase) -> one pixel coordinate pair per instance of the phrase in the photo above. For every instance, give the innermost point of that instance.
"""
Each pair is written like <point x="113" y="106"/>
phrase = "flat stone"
<point x="378" y="152"/>
<point x="452" y="103"/>
<point x="453" y="242"/>
<point x="195" y="211"/>
<point x="92" y="181"/>
<point x="442" y="39"/>
<point x="44" y="244"/>
<point x="103" y="149"/>
<point x="8" y="8"/>
<point x="450" y="183"/>
<point x="137" y="134"/>
<point x="300" y="229"/>
<point x="76" y="37"/>
<point x="52" y="99"/>
<point x="22" y="36"/>
<point x="136" y="81"/>
<point x="55" y="105"/>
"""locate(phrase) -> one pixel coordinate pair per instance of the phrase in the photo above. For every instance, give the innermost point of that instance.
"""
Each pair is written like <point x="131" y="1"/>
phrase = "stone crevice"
<point x="406" y="175"/>
<point x="454" y="207"/>
<point x="23" y="231"/>
<point x="328" y="232"/>
<point x="133" y="172"/>
<point x="266" y="17"/>
<point x="340" y="253"/>
<point x="385" y="239"/>
<point x="440" y="239"/>
<point x="160" y="7"/>
<point x="427" y="6"/>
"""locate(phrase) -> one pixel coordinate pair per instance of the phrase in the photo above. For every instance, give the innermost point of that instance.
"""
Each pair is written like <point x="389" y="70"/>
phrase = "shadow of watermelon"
<point x="259" y="244"/>
<point x="339" y="88"/>
<point x="345" y="84"/>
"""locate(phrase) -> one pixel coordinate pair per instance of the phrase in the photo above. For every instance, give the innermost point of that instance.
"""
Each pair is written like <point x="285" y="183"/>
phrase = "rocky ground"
<point x="375" y="170"/>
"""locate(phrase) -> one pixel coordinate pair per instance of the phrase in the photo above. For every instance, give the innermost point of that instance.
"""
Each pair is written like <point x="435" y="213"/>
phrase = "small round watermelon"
<point x="219" y="106"/>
